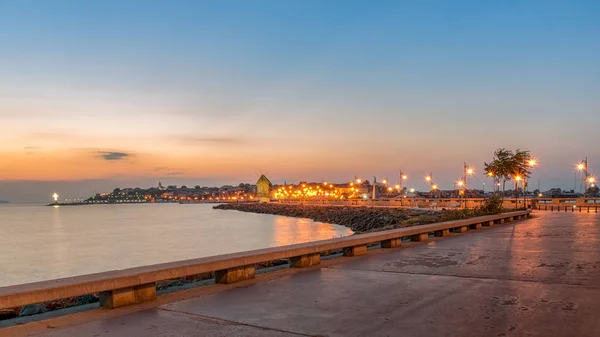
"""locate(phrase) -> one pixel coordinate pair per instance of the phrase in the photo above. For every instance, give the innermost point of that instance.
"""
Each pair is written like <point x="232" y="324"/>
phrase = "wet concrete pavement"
<point x="540" y="277"/>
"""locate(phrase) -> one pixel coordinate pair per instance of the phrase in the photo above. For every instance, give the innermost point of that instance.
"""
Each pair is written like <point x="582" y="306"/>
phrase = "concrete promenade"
<point x="539" y="277"/>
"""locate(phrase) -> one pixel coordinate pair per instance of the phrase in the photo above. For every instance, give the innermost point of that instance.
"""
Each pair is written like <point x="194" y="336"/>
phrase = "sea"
<point x="39" y="243"/>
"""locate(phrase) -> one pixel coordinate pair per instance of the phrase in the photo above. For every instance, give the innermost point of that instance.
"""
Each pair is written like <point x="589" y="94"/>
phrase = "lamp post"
<point x="461" y="193"/>
<point x="517" y="180"/>
<point x="591" y="181"/>
<point x="532" y="162"/>
<point x="582" y="167"/>
<point x="429" y="179"/>
<point x="403" y="177"/>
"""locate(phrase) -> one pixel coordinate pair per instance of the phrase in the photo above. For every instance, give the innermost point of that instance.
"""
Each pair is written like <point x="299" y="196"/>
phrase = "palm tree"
<point x="507" y="166"/>
<point x="500" y="167"/>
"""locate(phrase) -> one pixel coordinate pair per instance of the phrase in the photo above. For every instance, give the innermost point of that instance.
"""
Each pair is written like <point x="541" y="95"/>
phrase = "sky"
<point x="102" y="94"/>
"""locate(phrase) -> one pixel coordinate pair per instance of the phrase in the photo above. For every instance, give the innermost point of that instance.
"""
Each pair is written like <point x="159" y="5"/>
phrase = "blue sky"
<point x="307" y="90"/>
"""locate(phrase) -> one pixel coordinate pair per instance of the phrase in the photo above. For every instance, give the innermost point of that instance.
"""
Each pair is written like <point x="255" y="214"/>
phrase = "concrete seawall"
<point x="136" y="285"/>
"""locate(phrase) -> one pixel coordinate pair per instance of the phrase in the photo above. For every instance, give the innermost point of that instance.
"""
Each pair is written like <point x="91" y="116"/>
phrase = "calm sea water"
<point x="41" y="243"/>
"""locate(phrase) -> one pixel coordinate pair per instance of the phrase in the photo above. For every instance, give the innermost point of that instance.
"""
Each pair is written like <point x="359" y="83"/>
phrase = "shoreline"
<point x="360" y="219"/>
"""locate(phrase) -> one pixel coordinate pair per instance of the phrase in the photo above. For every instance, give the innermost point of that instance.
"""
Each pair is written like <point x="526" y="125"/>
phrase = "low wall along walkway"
<point x="135" y="285"/>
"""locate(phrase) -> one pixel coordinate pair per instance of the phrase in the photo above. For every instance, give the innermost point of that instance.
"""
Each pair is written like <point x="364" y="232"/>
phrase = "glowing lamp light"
<point x="412" y="190"/>
<point x="404" y="177"/>
<point x="397" y="187"/>
<point x="532" y="162"/>
<point x="490" y="174"/>
<point x="460" y="183"/>
<point x="384" y="181"/>
<point x="470" y="171"/>
<point x="358" y="181"/>
<point x="591" y="180"/>
<point x="428" y="178"/>
<point x="518" y="178"/>
<point x="55" y="197"/>
<point x="580" y="166"/>
<point x="390" y="189"/>
<point x="434" y="187"/>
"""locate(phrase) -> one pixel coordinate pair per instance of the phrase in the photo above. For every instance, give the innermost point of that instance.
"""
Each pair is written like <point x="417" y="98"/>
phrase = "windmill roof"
<point x="263" y="179"/>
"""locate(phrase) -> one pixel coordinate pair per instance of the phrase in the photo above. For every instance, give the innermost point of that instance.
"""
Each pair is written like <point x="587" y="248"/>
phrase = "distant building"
<point x="263" y="188"/>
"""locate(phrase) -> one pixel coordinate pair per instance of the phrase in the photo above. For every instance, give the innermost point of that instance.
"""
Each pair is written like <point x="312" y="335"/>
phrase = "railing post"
<point x="355" y="250"/>
<point x="391" y="243"/>
<point x="461" y="229"/>
<point x="233" y="275"/>
<point x="420" y="237"/>
<point x="475" y="226"/>
<point x="126" y="296"/>
<point x="304" y="261"/>
<point x="442" y="233"/>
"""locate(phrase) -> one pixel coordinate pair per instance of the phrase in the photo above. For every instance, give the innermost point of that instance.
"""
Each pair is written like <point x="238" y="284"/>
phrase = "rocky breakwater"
<point x="359" y="219"/>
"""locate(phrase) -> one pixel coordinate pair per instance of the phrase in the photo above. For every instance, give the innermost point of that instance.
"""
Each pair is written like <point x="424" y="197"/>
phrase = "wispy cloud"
<point x="165" y="171"/>
<point x="31" y="148"/>
<point x="113" y="156"/>
<point x="215" y="141"/>
<point x="171" y="174"/>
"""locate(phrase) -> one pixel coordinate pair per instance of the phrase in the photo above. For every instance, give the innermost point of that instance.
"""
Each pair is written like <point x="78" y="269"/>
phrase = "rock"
<point x="359" y="219"/>
<point x="86" y="299"/>
<point x="7" y="314"/>
<point x="32" y="309"/>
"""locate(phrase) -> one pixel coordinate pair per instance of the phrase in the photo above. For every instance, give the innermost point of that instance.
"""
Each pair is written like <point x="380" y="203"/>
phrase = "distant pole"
<point x="374" y="188"/>
<point x="585" y="179"/>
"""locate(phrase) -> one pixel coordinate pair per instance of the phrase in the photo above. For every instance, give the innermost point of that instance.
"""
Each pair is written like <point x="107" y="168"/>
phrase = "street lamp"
<point x="55" y="197"/>
<point x="531" y="163"/>
<point x="591" y="181"/>
<point x="492" y="176"/>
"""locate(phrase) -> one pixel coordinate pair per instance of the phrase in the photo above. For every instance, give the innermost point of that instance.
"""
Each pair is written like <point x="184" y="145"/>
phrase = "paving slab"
<point x="341" y="302"/>
<point x="164" y="323"/>
<point x="488" y="253"/>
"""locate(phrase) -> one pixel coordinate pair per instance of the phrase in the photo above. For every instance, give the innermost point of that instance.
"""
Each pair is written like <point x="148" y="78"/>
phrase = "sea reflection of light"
<point x="288" y="231"/>
<point x="59" y="241"/>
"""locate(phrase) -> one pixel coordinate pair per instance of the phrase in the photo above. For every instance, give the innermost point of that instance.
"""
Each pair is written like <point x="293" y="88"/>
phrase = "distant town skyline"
<point x="98" y="95"/>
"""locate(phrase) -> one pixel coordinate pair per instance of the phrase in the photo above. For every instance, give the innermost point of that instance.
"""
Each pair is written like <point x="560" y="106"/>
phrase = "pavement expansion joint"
<point x="481" y="278"/>
<point x="228" y="322"/>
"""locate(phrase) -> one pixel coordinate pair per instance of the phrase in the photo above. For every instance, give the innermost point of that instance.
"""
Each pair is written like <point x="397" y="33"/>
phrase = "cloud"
<point x="31" y="148"/>
<point x="217" y="141"/>
<point x="170" y="172"/>
<point x="112" y="156"/>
